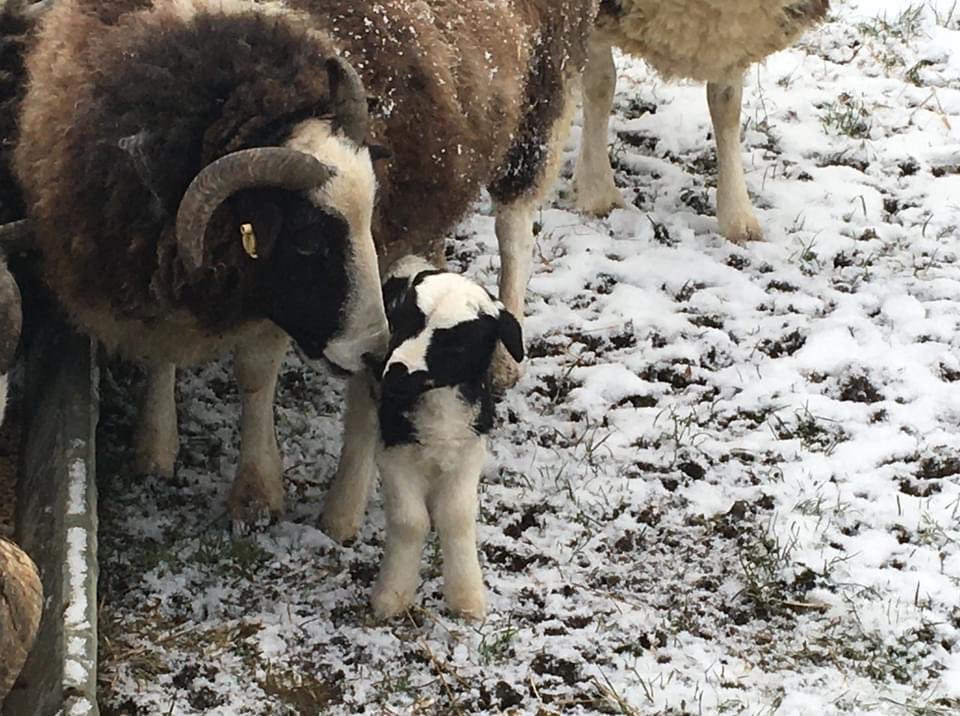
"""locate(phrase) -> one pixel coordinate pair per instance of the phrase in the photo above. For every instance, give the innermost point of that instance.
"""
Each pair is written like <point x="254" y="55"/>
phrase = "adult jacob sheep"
<point x="200" y="174"/>
<point x="712" y="41"/>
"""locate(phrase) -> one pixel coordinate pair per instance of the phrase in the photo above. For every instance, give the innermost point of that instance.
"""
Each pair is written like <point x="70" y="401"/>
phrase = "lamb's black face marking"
<point x="302" y="280"/>
<point x="399" y="392"/>
<point x="462" y="353"/>
<point x="404" y="317"/>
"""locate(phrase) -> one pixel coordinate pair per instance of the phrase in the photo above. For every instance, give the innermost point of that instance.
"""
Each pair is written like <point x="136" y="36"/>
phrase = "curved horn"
<point x="262" y="166"/>
<point x="348" y="98"/>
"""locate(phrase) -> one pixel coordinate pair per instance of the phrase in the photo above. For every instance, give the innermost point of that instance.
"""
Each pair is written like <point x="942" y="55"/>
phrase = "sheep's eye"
<point x="306" y="244"/>
<point x="322" y="230"/>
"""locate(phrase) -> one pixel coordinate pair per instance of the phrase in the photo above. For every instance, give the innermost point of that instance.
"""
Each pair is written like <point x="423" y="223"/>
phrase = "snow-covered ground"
<point x="729" y="481"/>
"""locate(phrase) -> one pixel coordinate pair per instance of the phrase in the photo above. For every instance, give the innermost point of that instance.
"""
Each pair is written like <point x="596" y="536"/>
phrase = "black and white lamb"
<point x="436" y="407"/>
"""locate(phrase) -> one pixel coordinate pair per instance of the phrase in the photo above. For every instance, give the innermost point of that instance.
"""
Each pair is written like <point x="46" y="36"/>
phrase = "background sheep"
<point x="435" y="410"/>
<point x="21" y="601"/>
<point x="712" y="41"/>
<point x="130" y="103"/>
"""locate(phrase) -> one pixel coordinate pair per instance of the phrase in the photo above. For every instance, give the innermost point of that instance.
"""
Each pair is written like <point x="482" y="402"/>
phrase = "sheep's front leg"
<point x="454" y="511"/>
<point x="155" y="441"/>
<point x="348" y="494"/>
<point x="514" y="227"/>
<point x="593" y="180"/>
<point x="257" y="493"/>
<point x="408" y="521"/>
<point x="734" y="210"/>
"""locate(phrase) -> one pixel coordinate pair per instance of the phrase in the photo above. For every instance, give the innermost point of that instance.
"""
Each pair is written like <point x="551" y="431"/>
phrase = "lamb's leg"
<point x="514" y="229"/>
<point x="734" y="210"/>
<point x="155" y="440"/>
<point x="350" y="490"/>
<point x="407" y="524"/>
<point x="257" y="492"/>
<point x="454" y="511"/>
<point x="593" y="181"/>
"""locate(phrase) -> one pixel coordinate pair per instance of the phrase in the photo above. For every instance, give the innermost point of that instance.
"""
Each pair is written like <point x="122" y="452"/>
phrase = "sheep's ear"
<point x="510" y="334"/>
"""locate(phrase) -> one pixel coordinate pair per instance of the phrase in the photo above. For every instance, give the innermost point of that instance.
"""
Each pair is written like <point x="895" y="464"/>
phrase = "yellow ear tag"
<point x="249" y="239"/>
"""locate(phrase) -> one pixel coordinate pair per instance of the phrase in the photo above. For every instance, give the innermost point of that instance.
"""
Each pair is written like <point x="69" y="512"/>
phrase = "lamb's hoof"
<point x="468" y="603"/>
<point x="255" y="501"/>
<point x="388" y="602"/>
<point x="742" y="230"/>
<point x="505" y="371"/>
<point x="339" y="526"/>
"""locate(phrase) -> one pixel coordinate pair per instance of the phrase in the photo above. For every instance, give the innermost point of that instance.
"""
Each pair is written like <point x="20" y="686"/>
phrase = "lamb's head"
<point x="443" y="329"/>
<point x="304" y="214"/>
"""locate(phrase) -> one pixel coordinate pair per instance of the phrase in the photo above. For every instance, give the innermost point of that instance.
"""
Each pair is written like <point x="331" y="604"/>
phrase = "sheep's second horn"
<point x="348" y="99"/>
<point x="279" y="167"/>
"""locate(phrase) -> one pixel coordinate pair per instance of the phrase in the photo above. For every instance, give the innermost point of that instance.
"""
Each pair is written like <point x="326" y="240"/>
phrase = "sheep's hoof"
<point x="600" y="205"/>
<point x="258" y="522"/>
<point x="256" y="499"/>
<point x="346" y="502"/>
<point x="388" y="602"/>
<point x="599" y="200"/>
<point x="468" y="603"/>
<point x="742" y="230"/>
<point x="338" y="526"/>
<point x="21" y="605"/>
<point x="505" y="371"/>
<point x="155" y="454"/>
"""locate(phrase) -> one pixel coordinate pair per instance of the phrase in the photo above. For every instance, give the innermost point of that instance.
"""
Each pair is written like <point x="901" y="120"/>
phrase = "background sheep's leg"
<point x="514" y="228"/>
<point x="350" y="490"/>
<point x="408" y="521"/>
<point x="734" y="210"/>
<point x="454" y="511"/>
<point x="593" y="181"/>
<point x="155" y="441"/>
<point x="257" y="492"/>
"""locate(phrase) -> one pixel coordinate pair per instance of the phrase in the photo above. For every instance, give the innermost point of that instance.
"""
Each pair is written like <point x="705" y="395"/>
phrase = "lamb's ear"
<point x="393" y="291"/>
<point x="510" y="334"/>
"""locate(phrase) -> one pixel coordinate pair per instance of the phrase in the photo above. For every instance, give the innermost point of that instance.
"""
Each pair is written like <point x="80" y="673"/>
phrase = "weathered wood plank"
<point x="57" y="519"/>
